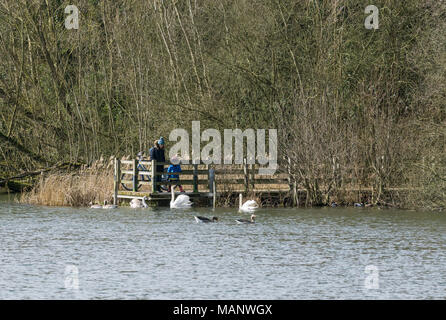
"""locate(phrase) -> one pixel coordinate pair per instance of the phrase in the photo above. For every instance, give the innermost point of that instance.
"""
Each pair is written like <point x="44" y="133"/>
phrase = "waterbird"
<point x="95" y="206"/>
<point x="182" y="201"/>
<point x="249" y="206"/>
<point x="136" y="203"/>
<point x="109" y="206"/>
<point x="205" y="220"/>
<point x="358" y="204"/>
<point x="240" y="221"/>
<point x="334" y="204"/>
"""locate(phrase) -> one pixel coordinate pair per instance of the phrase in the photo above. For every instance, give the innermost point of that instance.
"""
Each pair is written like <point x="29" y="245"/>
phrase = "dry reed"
<point x="92" y="183"/>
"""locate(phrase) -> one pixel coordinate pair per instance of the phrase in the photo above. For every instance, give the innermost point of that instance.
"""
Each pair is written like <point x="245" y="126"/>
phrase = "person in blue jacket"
<point x="175" y="177"/>
<point x="157" y="153"/>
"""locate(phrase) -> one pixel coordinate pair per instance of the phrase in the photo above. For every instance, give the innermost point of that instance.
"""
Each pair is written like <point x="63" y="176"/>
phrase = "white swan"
<point x="95" y="206"/>
<point x="136" y="203"/>
<point x="249" y="206"/>
<point x="105" y="206"/>
<point x="182" y="201"/>
<point x="109" y="206"/>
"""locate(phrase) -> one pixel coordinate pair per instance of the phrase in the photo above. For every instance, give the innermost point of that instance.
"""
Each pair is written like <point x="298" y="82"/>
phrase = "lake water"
<point x="327" y="253"/>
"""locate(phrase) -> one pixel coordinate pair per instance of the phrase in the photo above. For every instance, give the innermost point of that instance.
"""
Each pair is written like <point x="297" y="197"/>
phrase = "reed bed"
<point x="89" y="184"/>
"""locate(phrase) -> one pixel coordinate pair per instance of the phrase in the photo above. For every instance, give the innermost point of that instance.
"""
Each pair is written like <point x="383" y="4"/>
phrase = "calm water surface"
<point x="163" y="254"/>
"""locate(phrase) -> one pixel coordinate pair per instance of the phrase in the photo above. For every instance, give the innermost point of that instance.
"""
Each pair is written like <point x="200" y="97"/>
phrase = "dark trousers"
<point x="159" y="169"/>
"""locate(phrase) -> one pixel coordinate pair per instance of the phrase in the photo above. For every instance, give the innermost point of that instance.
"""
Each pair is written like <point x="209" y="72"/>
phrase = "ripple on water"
<point x="159" y="254"/>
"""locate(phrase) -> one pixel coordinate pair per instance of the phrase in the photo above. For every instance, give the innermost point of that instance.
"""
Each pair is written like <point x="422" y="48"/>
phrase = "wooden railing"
<point x="242" y="178"/>
<point x="135" y="172"/>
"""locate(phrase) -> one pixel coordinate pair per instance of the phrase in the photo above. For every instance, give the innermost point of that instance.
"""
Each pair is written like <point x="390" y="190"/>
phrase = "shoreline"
<point x="16" y="195"/>
<point x="77" y="188"/>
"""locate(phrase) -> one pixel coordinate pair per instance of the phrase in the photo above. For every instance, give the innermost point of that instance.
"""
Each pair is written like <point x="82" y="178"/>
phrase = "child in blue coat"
<point x="175" y="177"/>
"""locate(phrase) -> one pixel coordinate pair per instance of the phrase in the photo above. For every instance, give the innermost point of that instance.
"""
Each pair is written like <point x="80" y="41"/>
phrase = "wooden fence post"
<point x="252" y="176"/>
<point x="208" y="168"/>
<point x="195" y="178"/>
<point x="135" y="176"/>
<point x="214" y="194"/>
<point x="245" y="172"/>
<point x="154" y="187"/>
<point x="211" y="177"/>
<point x="116" y="180"/>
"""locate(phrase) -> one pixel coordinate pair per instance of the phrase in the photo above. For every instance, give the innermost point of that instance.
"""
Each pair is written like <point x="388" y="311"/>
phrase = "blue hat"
<point x="161" y="141"/>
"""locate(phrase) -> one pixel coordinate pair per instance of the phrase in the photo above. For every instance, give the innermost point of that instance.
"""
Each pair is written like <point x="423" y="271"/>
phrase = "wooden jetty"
<point x="203" y="183"/>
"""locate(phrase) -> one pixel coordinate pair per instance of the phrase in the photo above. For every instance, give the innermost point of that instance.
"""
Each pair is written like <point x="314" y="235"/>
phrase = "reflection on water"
<point x="164" y="254"/>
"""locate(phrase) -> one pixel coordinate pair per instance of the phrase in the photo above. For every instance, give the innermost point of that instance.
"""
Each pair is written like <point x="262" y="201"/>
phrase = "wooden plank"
<point x="214" y="194"/>
<point x="183" y="182"/>
<point x="245" y="173"/>
<point x="153" y="176"/>
<point x="185" y="172"/>
<point x="271" y="181"/>
<point x="195" y="178"/>
<point x="142" y="173"/>
<point x="211" y="178"/>
<point x="123" y="196"/>
<point x="139" y="182"/>
<point x="222" y="172"/>
<point x="140" y="195"/>
<point x="135" y="176"/>
<point x="223" y="180"/>
<point x="167" y="195"/>
<point x="252" y="176"/>
<point x="231" y="181"/>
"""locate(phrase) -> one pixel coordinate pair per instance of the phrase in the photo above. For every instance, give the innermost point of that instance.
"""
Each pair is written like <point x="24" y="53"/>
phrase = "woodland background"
<point x="354" y="107"/>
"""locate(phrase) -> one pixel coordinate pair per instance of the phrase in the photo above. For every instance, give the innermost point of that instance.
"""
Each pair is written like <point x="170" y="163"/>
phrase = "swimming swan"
<point x="136" y="203"/>
<point x="244" y="221"/>
<point x="105" y="206"/>
<point x="182" y="201"/>
<point x="109" y="206"/>
<point x="249" y="206"/>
